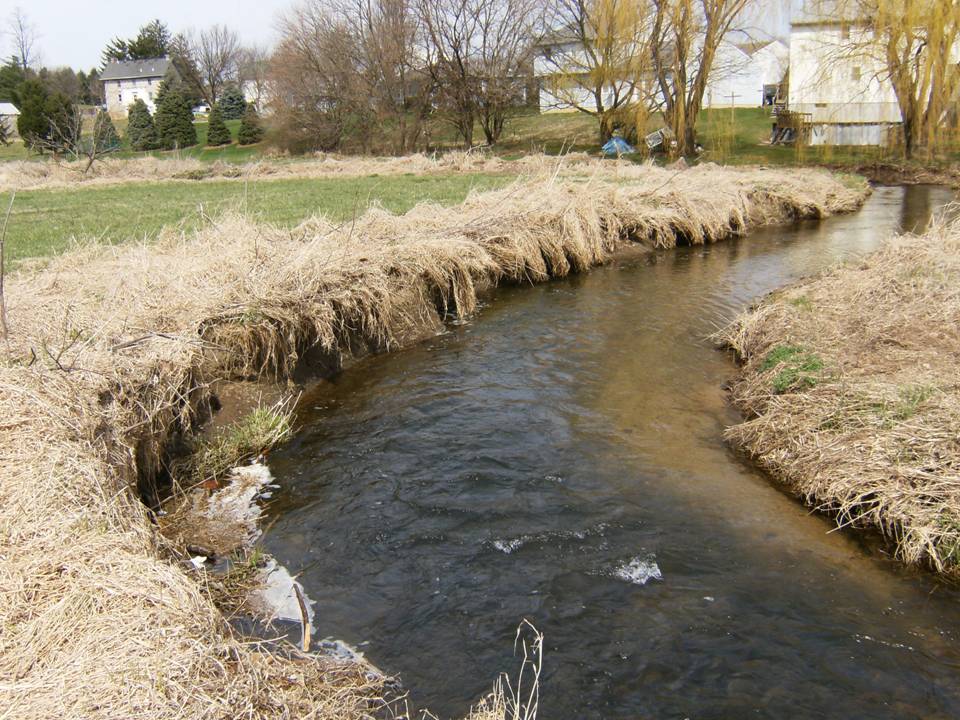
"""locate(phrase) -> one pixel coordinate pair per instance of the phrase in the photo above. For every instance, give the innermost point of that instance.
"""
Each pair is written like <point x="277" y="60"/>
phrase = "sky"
<point x="75" y="33"/>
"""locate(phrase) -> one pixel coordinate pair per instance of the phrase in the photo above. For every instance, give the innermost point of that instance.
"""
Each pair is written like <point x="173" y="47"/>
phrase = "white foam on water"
<point x="510" y="545"/>
<point x="638" y="570"/>
<point x="276" y="597"/>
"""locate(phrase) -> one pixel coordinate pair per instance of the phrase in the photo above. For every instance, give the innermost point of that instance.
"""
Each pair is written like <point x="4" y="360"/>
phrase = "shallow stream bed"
<point x="560" y="458"/>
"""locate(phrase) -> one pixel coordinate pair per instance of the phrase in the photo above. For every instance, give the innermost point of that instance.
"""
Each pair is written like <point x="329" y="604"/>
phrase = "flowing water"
<point x="560" y="458"/>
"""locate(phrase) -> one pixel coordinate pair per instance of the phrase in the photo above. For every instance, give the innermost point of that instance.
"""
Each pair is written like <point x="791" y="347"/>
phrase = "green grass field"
<point x="47" y="221"/>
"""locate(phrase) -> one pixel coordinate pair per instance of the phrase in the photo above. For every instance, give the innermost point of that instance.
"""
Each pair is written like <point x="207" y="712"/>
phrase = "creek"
<point x="561" y="458"/>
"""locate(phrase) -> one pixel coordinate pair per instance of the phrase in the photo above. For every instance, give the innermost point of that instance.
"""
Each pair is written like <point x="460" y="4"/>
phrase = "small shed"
<point x="8" y="116"/>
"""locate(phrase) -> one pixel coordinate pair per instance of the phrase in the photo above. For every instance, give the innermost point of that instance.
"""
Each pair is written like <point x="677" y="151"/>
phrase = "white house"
<point x="131" y="80"/>
<point x="843" y="96"/>
<point x="746" y="74"/>
<point x="8" y="117"/>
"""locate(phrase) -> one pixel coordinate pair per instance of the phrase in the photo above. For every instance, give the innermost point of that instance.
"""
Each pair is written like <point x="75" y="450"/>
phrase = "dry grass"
<point x="117" y="171"/>
<point x="112" y="352"/>
<point x="853" y="383"/>
<point x="24" y="175"/>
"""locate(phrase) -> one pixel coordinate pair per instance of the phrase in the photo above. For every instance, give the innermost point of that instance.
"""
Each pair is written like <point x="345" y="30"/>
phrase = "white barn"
<point x="843" y="94"/>
<point x="132" y="80"/>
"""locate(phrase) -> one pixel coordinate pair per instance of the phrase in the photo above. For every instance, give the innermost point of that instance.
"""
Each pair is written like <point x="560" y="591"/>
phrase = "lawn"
<point x="46" y="221"/>
<point x="732" y="137"/>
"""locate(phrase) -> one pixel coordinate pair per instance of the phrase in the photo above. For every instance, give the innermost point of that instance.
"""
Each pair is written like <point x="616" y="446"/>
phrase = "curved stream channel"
<point x="561" y="459"/>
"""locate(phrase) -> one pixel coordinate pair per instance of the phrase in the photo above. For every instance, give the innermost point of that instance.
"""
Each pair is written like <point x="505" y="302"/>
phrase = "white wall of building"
<point x="121" y="94"/>
<point x="846" y="95"/>
<point x="735" y="80"/>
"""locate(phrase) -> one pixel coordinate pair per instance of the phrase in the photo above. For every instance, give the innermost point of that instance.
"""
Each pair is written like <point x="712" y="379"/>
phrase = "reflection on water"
<point x="561" y="459"/>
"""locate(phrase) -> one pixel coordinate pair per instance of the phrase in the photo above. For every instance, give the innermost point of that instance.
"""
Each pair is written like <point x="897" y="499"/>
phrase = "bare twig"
<point x="4" y="329"/>
<point x="304" y="618"/>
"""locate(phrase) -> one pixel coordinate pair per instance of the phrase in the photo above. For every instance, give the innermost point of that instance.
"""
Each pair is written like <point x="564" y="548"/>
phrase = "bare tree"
<point x="391" y="66"/>
<point x="685" y="40"/>
<point x="478" y="51"/>
<point x="596" y="58"/>
<point x="254" y="72"/>
<point x="208" y="60"/>
<point x="507" y="37"/>
<point x="24" y="37"/>
<point x="319" y="101"/>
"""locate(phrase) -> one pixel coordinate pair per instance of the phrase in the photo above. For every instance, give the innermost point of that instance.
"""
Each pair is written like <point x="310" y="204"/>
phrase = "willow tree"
<point x="914" y="45"/>
<point x="686" y="37"/>
<point x="596" y="58"/>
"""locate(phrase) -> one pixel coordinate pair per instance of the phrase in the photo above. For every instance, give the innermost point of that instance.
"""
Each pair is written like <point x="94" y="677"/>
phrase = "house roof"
<point x="129" y="69"/>
<point x="8" y="109"/>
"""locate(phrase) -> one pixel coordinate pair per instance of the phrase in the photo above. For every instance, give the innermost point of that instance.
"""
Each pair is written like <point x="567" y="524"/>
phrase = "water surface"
<point x="561" y="459"/>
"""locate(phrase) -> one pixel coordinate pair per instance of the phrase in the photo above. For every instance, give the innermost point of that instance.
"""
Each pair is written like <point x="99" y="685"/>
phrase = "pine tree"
<point x="232" y="103"/>
<point x="251" y="131"/>
<point x="141" y="134"/>
<point x="217" y="132"/>
<point x="174" y="119"/>
<point x="63" y="124"/>
<point x="32" y="125"/>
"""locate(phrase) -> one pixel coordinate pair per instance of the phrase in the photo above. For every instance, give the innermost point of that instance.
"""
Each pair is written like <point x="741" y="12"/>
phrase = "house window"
<point x="855" y="74"/>
<point x="119" y="97"/>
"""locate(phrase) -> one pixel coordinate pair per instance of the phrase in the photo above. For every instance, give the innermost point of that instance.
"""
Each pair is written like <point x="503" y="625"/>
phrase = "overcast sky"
<point x="75" y="33"/>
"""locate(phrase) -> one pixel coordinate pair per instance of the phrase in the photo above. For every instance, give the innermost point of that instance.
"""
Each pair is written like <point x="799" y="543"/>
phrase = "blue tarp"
<point x="617" y="146"/>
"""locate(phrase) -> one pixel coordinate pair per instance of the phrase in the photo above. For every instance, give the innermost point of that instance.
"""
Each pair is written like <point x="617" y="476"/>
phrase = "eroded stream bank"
<point x="561" y="459"/>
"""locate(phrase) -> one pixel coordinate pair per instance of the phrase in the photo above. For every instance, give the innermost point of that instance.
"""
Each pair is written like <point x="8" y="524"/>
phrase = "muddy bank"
<point x="851" y="384"/>
<point x="111" y="359"/>
<point x="896" y="174"/>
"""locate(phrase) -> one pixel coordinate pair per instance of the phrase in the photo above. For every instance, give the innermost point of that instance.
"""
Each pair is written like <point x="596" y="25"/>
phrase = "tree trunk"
<point x="606" y="126"/>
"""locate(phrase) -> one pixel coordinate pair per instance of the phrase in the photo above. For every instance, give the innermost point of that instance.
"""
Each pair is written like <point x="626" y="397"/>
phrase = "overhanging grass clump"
<point x="97" y="622"/>
<point x="876" y="439"/>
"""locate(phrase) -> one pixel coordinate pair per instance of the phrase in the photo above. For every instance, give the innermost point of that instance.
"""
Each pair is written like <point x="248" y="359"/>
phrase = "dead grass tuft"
<point x="852" y="381"/>
<point x="113" y="351"/>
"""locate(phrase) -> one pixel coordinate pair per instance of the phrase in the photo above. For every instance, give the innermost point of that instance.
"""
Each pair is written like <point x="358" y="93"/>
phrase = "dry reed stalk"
<point x="112" y="350"/>
<point x="873" y="435"/>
